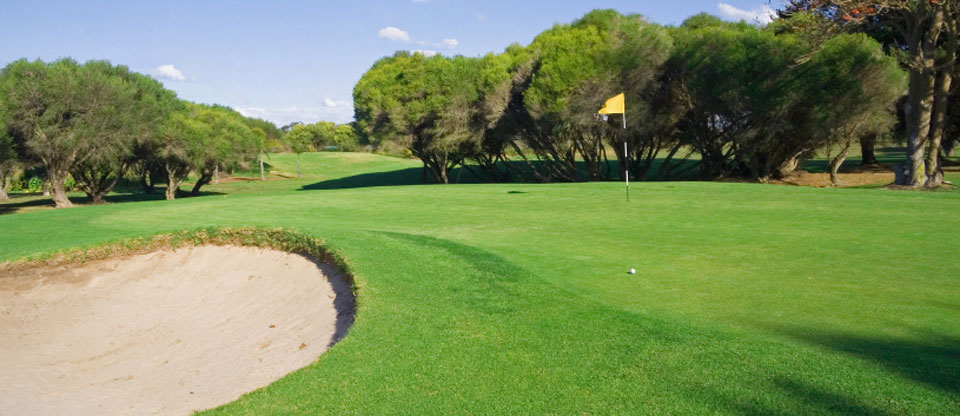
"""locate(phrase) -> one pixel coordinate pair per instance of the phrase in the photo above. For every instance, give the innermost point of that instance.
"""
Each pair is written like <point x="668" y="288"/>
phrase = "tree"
<point x="345" y="137"/>
<point x="271" y="136"/>
<point x="324" y="133"/>
<point x="231" y="144"/>
<point x="423" y="105"/>
<point x="572" y="69"/>
<point x="43" y="106"/>
<point x="129" y="119"/>
<point x="928" y="32"/>
<point x="201" y="139"/>
<point x="8" y="160"/>
<point x="182" y="141"/>
<point x="567" y="62"/>
<point x="638" y="54"/>
<point x="761" y="101"/>
<point x="300" y="139"/>
<point x="72" y="118"/>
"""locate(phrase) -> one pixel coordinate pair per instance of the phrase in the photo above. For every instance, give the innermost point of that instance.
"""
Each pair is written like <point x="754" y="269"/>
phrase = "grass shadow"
<point x="521" y="172"/>
<point x="804" y="399"/>
<point x="927" y="358"/>
<point x="409" y="176"/>
<point x="31" y="202"/>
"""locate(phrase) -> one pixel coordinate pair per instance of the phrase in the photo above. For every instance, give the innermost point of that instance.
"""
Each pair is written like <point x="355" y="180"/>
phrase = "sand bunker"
<point x="164" y="333"/>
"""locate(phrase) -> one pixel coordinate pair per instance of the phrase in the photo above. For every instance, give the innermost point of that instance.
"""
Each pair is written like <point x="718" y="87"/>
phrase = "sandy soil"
<point x="164" y="333"/>
<point x="852" y="178"/>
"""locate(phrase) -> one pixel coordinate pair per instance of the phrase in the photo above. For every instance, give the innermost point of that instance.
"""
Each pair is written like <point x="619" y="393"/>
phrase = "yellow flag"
<point x="613" y="105"/>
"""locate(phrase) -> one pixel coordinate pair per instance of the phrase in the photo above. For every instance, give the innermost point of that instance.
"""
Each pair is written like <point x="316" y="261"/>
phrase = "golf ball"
<point x="633" y="271"/>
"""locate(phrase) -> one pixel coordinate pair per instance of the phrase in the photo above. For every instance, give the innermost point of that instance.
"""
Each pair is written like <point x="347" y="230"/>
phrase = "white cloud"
<point x="449" y="43"/>
<point x="394" y="34"/>
<point x="481" y="17"/>
<point x="425" y="52"/>
<point x="168" y="72"/>
<point x="761" y="15"/>
<point x="340" y="112"/>
<point x="329" y="103"/>
<point x="398" y="35"/>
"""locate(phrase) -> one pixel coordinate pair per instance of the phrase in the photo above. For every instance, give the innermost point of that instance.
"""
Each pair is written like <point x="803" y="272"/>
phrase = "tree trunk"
<point x="299" y="176"/>
<point x="203" y="180"/>
<point x="57" y="190"/>
<point x="216" y="175"/>
<point x="4" y="187"/>
<point x="262" y="177"/>
<point x="835" y="164"/>
<point x="918" y="113"/>
<point x="173" y="185"/>
<point x="868" y="146"/>
<point x="788" y="166"/>
<point x="941" y="96"/>
<point x="919" y="110"/>
<point x="442" y="178"/>
<point x="173" y="182"/>
<point x="97" y="198"/>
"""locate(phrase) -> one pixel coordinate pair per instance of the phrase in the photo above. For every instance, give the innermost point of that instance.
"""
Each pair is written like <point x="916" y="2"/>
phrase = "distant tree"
<point x="201" y="139"/>
<point x="231" y="144"/>
<point x="300" y="139"/>
<point x="271" y="136"/>
<point x="345" y="137"/>
<point x="8" y="160"/>
<point x="286" y="127"/>
<point x="181" y="144"/>
<point x="324" y="133"/>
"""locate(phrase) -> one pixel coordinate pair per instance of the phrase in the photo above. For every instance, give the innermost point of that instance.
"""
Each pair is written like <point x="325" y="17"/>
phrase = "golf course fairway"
<point x="516" y="298"/>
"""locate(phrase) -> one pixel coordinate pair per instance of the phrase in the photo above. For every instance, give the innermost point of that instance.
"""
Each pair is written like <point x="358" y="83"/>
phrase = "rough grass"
<point x="514" y="299"/>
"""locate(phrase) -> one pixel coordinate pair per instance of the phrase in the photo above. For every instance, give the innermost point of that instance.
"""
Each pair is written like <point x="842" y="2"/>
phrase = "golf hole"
<point x="169" y="332"/>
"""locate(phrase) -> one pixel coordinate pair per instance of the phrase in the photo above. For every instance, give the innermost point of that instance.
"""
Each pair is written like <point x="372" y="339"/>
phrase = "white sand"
<point x="164" y="333"/>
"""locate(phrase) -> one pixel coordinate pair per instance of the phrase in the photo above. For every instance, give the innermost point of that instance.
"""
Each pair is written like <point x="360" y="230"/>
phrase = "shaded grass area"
<point x="336" y="170"/>
<point x="514" y="298"/>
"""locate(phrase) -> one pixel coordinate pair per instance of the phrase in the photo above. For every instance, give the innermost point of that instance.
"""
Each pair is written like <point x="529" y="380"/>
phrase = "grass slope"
<point x="514" y="298"/>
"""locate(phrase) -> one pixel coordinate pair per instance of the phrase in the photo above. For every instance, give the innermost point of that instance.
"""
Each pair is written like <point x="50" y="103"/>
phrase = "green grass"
<point x="514" y="298"/>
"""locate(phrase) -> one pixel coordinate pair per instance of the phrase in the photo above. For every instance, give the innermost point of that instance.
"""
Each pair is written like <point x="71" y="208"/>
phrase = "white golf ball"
<point x="633" y="271"/>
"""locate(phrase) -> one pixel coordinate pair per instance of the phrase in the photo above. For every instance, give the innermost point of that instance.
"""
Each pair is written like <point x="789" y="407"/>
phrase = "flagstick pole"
<point x="626" y="169"/>
<point x="626" y="159"/>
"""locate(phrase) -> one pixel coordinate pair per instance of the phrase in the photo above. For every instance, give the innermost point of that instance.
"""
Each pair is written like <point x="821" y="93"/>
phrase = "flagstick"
<point x="626" y="169"/>
<point x="626" y="159"/>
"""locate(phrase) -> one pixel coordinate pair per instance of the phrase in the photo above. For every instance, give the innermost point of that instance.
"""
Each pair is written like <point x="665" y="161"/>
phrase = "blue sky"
<point x="294" y="60"/>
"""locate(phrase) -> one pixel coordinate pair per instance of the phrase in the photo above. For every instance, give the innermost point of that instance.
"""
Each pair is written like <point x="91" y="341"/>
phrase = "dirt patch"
<point x="856" y="177"/>
<point x="168" y="332"/>
<point x="235" y="179"/>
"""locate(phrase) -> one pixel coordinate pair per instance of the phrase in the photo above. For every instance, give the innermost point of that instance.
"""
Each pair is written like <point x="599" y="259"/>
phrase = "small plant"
<point x="35" y="184"/>
<point x="70" y="184"/>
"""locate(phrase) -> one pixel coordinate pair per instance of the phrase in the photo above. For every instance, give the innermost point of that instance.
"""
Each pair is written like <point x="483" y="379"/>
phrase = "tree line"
<point x="747" y="101"/>
<point x="88" y="126"/>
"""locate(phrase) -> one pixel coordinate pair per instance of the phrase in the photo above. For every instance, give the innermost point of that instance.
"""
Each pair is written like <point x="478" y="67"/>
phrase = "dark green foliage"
<point x="760" y="102"/>
<point x="751" y="102"/>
